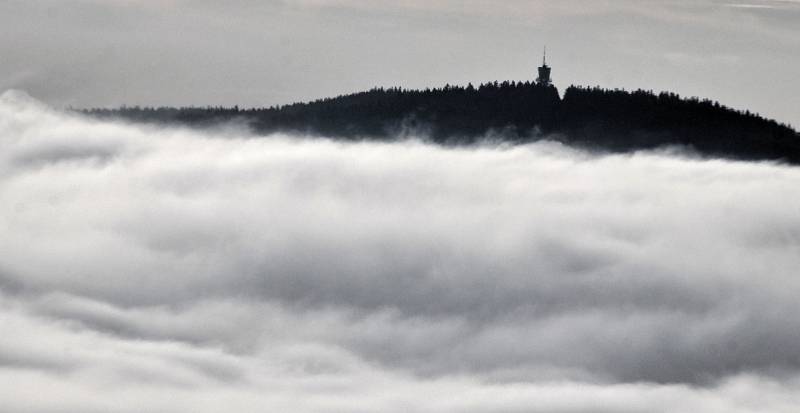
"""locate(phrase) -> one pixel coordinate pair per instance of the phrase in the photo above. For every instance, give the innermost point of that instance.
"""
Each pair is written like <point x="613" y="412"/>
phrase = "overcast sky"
<point x="254" y="53"/>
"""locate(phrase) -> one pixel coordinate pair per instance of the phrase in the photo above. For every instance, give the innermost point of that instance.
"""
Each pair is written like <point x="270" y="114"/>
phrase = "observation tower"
<point x="544" y="72"/>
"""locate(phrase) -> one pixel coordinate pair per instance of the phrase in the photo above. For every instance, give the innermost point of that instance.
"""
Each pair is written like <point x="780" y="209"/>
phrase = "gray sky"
<point x="254" y="53"/>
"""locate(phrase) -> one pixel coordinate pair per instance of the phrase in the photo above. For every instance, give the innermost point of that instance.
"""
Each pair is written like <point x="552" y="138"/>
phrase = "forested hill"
<point x="612" y="120"/>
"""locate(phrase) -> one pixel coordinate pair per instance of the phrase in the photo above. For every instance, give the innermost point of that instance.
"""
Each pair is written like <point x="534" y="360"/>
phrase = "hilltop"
<point x="516" y="112"/>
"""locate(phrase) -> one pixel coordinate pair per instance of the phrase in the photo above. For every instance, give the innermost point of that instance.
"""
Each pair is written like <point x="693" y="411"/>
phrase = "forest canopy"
<point x="516" y="112"/>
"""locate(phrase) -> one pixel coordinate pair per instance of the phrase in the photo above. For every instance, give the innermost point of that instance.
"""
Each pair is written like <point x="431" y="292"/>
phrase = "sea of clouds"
<point x="147" y="269"/>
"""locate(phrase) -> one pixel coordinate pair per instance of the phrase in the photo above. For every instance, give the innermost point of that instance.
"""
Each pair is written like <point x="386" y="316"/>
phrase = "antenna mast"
<point x="544" y="56"/>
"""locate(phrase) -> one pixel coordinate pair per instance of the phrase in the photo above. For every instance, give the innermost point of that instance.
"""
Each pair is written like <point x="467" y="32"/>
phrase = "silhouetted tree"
<point x="614" y="120"/>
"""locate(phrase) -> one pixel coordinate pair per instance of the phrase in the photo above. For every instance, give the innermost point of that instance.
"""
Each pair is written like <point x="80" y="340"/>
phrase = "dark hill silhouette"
<point x="517" y="112"/>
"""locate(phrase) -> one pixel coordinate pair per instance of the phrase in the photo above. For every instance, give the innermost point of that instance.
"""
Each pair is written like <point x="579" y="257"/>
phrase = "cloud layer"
<point x="147" y="269"/>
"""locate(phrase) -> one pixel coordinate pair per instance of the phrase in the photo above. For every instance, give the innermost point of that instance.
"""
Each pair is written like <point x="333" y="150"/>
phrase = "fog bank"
<point x="175" y="270"/>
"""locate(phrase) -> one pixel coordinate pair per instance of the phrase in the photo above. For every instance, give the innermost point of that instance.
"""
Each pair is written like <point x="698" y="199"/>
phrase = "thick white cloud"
<point x="155" y="269"/>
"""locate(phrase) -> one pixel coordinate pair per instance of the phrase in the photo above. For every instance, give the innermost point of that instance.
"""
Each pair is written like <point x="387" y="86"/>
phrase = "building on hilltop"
<point x="544" y="72"/>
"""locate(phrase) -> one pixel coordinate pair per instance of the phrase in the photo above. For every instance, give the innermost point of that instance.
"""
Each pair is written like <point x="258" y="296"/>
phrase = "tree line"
<point x="518" y="112"/>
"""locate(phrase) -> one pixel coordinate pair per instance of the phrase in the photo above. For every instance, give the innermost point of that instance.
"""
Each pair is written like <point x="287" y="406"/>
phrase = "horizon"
<point x="560" y="93"/>
<point x="88" y="53"/>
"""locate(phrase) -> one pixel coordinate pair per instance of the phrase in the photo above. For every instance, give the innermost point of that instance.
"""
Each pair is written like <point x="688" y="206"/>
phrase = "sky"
<point x="89" y="53"/>
<point x="177" y="270"/>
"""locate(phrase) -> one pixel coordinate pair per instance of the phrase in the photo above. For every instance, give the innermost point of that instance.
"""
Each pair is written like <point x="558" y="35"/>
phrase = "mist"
<point x="145" y="268"/>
